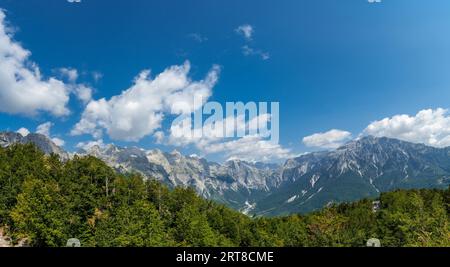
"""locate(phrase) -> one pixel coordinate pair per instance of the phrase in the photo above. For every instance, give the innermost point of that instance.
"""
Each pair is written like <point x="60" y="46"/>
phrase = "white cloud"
<point x="374" y="1"/>
<point x="23" y="90"/>
<point x="245" y="30"/>
<point x="159" y="136"/>
<point x="45" y="128"/>
<point x="74" y="1"/>
<point x="83" y="92"/>
<point x="23" y="131"/>
<point x="90" y="144"/>
<point x="211" y="139"/>
<point x="430" y="127"/>
<point x="265" y="55"/>
<point x="96" y="75"/>
<point x="58" y="141"/>
<point x="139" y="110"/>
<point x="328" y="140"/>
<point x="69" y="73"/>
<point x="182" y="133"/>
<point x="198" y="37"/>
<point x="248" y="51"/>
<point x="249" y="148"/>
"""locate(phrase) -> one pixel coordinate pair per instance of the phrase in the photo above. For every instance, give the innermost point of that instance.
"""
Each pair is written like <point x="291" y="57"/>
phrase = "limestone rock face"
<point x="362" y="168"/>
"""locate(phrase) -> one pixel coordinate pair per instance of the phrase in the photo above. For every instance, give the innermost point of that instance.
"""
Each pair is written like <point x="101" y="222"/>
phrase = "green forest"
<point x="46" y="201"/>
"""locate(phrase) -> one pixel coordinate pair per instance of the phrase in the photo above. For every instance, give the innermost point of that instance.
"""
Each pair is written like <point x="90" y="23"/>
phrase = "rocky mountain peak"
<point x="41" y="141"/>
<point x="361" y="168"/>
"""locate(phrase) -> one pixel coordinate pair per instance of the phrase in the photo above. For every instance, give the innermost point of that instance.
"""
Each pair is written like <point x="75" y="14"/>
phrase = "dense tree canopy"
<point x="46" y="202"/>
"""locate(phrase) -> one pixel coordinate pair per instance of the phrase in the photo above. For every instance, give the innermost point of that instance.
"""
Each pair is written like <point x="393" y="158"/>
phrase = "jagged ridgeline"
<point x="45" y="201"/>
<point x="360" y="169"/>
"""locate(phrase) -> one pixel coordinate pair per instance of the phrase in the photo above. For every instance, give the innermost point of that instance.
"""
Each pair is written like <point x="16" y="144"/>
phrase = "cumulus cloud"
<point x="45" y="128"/>
<point x="374" y="1"/>
<point x="58" y="141"/>
<point x="90" y="144"/>
<point x="249" y="148"/>
<point x="83" y="92"/>
<point x="69" y="73"/>
<point x="74" y="1"/>
<point x="245" y="30"/>
<point x="212" y="138"/>
<point x="430" y="127"/>
<point x="159" y="137"/>
<point x="23" y="131"/>
<point x="139" y="110"/>
<point x="183" y="132"/>
<point x="328" y="140"/>
<point x="23" y="90"/>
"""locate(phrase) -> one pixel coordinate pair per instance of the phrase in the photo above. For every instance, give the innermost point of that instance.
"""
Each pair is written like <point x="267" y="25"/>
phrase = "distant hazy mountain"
<point x="361" y="168"/>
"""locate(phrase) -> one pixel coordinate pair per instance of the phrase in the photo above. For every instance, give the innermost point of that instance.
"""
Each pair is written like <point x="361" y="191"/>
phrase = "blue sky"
<point x="331" y="64"/>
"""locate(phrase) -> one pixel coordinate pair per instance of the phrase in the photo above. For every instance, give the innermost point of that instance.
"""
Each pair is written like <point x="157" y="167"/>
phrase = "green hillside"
<point x="46" y="201"/>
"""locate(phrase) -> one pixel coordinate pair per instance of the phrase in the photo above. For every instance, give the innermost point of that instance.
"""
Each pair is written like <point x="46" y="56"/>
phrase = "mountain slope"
<point x="362" y="168"/>
<point x="41" y="141"/>
<point x="236" y="183"/>
<point x="43" y="204"/>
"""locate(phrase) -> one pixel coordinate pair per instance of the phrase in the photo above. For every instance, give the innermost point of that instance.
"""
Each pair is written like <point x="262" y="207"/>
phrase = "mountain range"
<point x="360" y="169"/>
